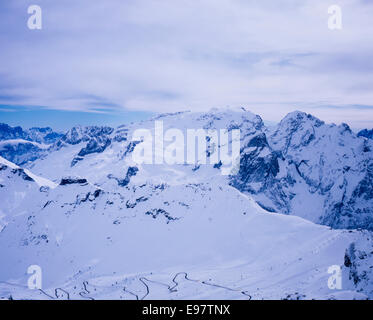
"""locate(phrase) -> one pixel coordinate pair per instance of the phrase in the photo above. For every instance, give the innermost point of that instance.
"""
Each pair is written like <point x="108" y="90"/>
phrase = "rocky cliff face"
<point x="96" y="140"/>
<point x="303" y="166"/>
<point x="311" y="169"/>
<point x="366" y="133"/>
<point x="163" y="221"/>
<point x="22" y="146"/>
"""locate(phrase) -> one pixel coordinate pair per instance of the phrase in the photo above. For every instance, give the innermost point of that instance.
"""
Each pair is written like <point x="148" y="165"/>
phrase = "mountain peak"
<point x="296" y="118"/>
<point x="366" y="133"/>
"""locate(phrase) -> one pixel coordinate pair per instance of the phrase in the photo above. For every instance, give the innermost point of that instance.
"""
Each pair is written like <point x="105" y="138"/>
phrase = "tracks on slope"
<point x="173" y="289"/>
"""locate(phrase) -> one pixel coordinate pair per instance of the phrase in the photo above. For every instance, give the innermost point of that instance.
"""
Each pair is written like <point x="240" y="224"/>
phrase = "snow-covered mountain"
<point x="311" y="169"/>
<point x="102" y="226"/>
<point x="35" y="134"/>
<point x="19" y="189"/>
<point x="21" y="146"/>
<point x="303" y="167"/>
<point x="168" y="240"/>
<point x="366" y="133"/>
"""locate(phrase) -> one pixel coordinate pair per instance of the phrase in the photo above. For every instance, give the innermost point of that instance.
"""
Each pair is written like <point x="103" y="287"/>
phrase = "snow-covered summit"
<point x="21" y="146"/>
<point x="366" y="133"/>
<point x="301" y="161"/>
<point x="107" y="227"/>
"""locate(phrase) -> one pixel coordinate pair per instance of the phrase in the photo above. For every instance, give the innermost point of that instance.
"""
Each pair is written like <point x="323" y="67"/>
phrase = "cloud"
<point x="270" y="56"/>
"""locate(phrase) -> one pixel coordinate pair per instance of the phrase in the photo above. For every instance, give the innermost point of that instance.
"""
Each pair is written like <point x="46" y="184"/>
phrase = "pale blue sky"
<point x="130" y="58"/>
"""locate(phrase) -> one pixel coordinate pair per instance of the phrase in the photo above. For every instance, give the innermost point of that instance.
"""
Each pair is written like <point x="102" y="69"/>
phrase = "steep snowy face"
<point x="19" y="189"/>
<point x="297" y="129"/>
<point x="22" y="146"/>
<point x="207" y="239"/>
<point x="43" y="135"/>
<point x="317" y="171"/>
<point x="39" y="135"/>
<point x="366" y="133"/>
<point x="8" y="132"/>
<point x="331" y="162"/>
<point x="107" y="227"/>
<point x="25" y="146"/>
<point x="83" y="134"/>
<point x="111" y="161"/>
<point x="358" y="262"/>
<point x="21" y="151"/>
<point x="303" y="167"/>
<point x="96" y="140"/>
<point x="257" y="175"/>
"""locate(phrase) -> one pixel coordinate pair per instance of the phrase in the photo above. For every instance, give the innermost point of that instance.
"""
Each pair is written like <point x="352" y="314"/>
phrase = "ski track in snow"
<point x="60" y="293"/>
<point x="216" y="227"/>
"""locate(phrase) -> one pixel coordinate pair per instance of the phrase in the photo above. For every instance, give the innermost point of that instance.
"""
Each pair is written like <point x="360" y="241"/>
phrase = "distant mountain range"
<point x="103" y="226"/>
<point x="21" y="146"/>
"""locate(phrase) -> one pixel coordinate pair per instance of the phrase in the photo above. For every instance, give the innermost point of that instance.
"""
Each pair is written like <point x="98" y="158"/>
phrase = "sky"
<point x="115" y="61"/>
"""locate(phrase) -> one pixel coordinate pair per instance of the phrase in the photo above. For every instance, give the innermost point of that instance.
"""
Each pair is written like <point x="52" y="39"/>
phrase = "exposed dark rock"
<point x="66" y="181"/>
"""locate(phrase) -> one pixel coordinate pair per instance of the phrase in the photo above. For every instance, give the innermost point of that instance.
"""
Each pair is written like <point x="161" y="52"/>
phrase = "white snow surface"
<point x="22" y="141"/>
<point x="171" y="233"/>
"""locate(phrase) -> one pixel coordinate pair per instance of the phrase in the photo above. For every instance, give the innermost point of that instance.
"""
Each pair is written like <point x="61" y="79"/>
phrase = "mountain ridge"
<point x="301" y="160"/>
<point x="123" y="230"/>
<point x="103" y="242"/>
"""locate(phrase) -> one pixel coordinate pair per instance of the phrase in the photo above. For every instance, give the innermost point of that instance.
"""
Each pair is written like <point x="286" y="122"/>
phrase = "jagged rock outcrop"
<point x="22" y="146"/>
<point x="318" y="171"/>
<point x="366" y="133"/>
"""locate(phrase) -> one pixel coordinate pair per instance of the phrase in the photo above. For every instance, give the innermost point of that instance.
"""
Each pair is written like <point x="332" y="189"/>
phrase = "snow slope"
<point x="107" y="227"/>
<point x="19" y="189"/>
<point x="206" y="240"/>
<point x="302" y="167"/>
<point x="21" y="146"/>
